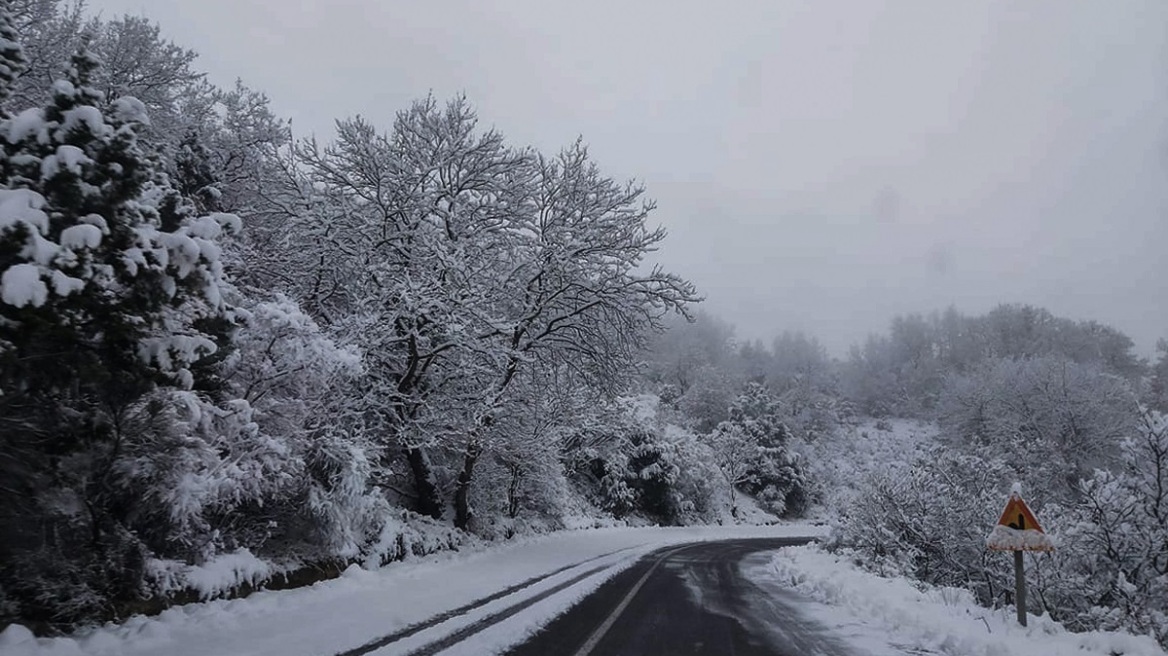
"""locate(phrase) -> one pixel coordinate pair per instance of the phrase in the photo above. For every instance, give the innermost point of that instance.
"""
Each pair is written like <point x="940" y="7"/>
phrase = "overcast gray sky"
<point x="819" y="165"/>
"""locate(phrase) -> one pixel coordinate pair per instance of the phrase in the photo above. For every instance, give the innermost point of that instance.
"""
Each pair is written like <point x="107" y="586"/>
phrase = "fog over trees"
<point x="220" y="341"/>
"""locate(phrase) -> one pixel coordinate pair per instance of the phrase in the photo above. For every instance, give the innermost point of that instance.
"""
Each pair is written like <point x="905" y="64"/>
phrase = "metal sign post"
<point x="1020" y="588"/>
<point x="1018" y="530"/>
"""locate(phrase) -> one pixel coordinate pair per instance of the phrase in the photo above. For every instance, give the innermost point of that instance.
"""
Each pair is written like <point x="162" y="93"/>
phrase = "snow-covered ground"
<point x="363" y="605"/>
<point x="883" y="616"/>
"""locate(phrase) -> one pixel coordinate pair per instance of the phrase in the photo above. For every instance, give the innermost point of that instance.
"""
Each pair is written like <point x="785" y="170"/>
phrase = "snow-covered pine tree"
<point x="12" y="59"/>
<point x="105" y="281"/>
<point x="773" y="474"/>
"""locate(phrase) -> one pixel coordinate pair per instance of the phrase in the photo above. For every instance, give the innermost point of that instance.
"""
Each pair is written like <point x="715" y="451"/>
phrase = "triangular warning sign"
<point x="1018" y="529"/>
<point x="1017" y="516"/>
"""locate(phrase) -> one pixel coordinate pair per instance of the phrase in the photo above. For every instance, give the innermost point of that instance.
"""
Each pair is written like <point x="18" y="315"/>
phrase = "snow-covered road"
<point x="690" y="599"/>
<point x="493" y="599"/>
<point x="364" y="607"/>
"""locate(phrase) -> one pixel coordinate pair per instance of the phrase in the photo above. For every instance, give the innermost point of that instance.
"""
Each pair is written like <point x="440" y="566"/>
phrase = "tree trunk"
<point x="462" y="512"/>
<point x="428" y="502"/>
<point x="513" y="492"/>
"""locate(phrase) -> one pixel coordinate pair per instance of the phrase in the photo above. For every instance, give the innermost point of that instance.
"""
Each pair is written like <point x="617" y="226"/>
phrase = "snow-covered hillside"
<point x="842" y="461"/>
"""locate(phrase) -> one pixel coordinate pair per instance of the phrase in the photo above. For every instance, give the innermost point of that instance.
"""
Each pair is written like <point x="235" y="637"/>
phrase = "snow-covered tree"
<point x="1158" y="383"/>
<point x="707" y="401"/>
<point x="109" y="288"/>
<point x="1054" y="420"/>
<point x="13" y="61"/>
<point x="678" y="354"/>
<point x="459" y="262"/>
<point x="412" y="230"/>
<point x="572" y="294"/>
<point x="868" y="378"/>
<point x="754" y="452"/>
<point x="51" y="33"/>
<point x="805" y="381"/>
<point x="735" y="455"/>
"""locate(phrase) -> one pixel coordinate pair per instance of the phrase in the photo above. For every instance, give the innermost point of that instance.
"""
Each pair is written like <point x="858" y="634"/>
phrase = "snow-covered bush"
<point x="632" y="466"/>
<point x="1109" y="572"/>
<point x="1111" y="568"/>
<point x="269" y="461"/>
<point x="840" y="464"/>
<point x="930" y="523"/>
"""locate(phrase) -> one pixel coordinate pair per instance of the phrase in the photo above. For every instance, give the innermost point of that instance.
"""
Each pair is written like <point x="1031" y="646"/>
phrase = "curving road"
<point x="691" y="599"/>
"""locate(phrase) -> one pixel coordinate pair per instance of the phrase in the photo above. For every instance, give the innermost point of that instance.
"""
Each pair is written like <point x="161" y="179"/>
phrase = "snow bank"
<point x="220" y="574"/>
<point x="926" y="619"/>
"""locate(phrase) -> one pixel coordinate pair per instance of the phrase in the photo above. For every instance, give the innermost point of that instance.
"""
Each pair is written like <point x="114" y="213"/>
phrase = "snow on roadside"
<point x="868" y="608"/>
<point x="363" y="605"/>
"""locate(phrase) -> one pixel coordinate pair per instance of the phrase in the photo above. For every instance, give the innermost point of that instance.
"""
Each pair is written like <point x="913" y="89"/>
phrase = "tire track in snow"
<point x="493" y="619"/>
<point x="414" y="629"/>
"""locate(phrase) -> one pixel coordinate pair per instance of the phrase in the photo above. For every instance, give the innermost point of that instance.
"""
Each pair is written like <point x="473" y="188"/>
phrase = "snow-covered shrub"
<point x="1111" y="568"/>
<point x="929" y="520"/>
<point x="301" y="386"/>
<point x="404" y="534"/>
<point x="839" y="464"/>
<point x="652" y="472"/>
<point x="699" y="485"/>
<point x="635" y="476"/>
<point x="631" y="466"/>
<point x="930" y="523"/>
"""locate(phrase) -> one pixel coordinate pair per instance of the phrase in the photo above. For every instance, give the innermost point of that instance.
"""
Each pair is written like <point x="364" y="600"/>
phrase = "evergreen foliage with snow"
<point x="111" y="290"/>
<point x="752" y="450"/>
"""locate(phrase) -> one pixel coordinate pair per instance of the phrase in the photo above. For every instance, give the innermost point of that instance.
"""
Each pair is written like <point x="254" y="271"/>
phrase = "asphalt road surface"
<point x="691" y="599"/>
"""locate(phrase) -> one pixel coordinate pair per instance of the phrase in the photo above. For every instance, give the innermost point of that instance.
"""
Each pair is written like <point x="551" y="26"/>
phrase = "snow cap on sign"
<point x="1017" y="528"/>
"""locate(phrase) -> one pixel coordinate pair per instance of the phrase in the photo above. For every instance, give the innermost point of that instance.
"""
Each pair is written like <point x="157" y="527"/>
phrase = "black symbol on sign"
<point x="1021" y="525"/>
